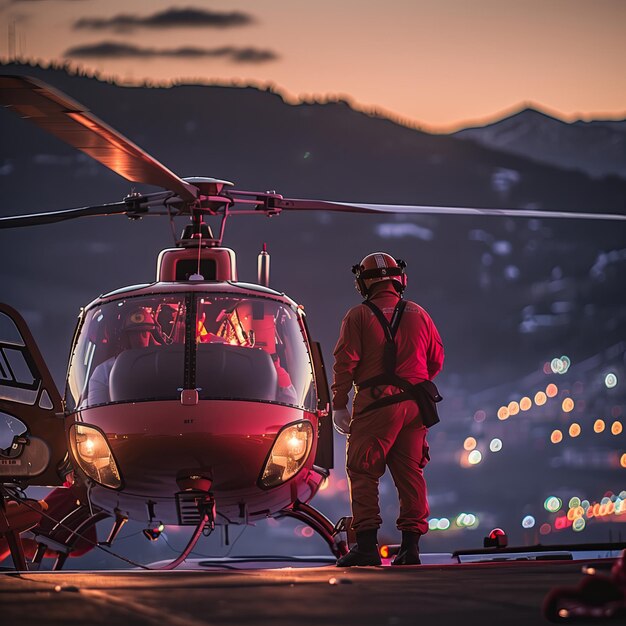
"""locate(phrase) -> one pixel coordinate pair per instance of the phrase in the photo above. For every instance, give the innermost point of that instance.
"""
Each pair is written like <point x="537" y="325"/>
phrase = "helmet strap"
<point x="395" y="274"/>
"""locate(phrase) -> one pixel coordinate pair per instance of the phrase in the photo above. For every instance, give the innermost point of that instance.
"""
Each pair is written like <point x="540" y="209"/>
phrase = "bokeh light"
<point x="540" y="398"/>
<point x="528" y="521"/>
<point x="579" y="524"/>
<point x="443" y="524"/>
<point x="599" y="426"/>
<point x="525" y="403"/>
<point x="466" y="520"/>
<point x="622" y="460"/>
<point x="471" y="521"/>
<point x="513" y="408"/>
<point x="616" y="428"/>
<point x="545" y="529"/>
<point x="503" y="413"/>
<point x="551" y="390"/>
<point x="495" y="445"/>
<point x="574" y="502"/>
<point x="574" y="430"/>
<point x="552" y="504"/>
<point x="480" y="416"/>
<point x="575" y="513"/>
<point x="469" y="443"/>
<point x="474" y="457"/>
<point x="560" y="366"/>
<point x="567" y="405"/>
<point x="610" y="380"/>
<point x="556" y="436"/>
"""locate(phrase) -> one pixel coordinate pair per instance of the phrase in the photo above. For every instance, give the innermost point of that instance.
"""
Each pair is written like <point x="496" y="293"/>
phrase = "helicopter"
<point x="194" y="400"/>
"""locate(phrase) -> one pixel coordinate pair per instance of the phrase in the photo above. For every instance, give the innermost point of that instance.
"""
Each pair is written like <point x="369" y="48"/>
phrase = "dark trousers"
<point x="391" y="437"/>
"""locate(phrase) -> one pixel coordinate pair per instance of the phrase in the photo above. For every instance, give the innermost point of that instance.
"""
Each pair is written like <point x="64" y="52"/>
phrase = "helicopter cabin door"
<point x="324" y="456"/>
<point x="33" y="448"/>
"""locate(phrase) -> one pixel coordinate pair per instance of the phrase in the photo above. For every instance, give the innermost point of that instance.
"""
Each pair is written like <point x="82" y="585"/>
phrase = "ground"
<point x="508" y="593"/>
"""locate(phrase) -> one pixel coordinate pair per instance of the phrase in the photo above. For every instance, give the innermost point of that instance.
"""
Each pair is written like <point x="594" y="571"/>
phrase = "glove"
<point x="341" y="421"/>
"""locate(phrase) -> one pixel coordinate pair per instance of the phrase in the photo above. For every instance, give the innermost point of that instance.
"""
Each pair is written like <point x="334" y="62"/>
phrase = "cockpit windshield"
<point x="225" y="346"/>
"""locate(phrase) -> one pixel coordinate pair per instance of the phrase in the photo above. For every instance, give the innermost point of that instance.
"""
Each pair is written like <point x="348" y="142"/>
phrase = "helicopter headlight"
<point x="94" y="456"/>
<point x="288" y="454"/>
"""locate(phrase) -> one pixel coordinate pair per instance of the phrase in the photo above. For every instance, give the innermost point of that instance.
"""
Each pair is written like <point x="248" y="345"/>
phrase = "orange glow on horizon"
<point x="487" y="60"/>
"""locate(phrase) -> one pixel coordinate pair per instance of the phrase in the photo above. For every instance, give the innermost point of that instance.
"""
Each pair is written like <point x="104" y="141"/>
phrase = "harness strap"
<point x="389" y="328"/>
<point x="390" y="351"/>
<point x="425" y="394"/>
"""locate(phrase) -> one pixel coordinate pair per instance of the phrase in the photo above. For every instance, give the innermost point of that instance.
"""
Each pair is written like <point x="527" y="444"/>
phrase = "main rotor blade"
<point x="34" y="219"/>
<point x="290" y="204"/>
<point x="56" y="113"/>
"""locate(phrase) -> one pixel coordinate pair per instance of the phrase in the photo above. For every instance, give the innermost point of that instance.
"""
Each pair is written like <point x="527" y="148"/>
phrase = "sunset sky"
<point x="438" y="63"/>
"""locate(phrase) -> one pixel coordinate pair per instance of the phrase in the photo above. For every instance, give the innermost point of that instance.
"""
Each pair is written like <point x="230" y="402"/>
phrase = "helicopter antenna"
<point x="199" y="251"/>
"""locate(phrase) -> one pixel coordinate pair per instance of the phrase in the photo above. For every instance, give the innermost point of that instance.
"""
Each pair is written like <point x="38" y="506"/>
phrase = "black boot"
<point x="409" y="553"/>
<point x="364" y="553"/>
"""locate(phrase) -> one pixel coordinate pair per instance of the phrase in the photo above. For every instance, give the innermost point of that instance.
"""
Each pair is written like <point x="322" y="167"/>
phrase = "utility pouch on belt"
<point x="424" y="394"/>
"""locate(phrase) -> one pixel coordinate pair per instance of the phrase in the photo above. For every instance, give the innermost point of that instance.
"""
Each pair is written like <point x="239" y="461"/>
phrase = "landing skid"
<point x="12" y="537"/>
<point x="319" y="523"/>
<point x="51" y="537"/>
<point x="63" y="539"/>
<point x="66" y="533"/>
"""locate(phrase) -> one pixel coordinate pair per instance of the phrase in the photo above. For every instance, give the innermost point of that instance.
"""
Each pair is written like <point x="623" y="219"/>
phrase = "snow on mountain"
<point x="597" y="148"/>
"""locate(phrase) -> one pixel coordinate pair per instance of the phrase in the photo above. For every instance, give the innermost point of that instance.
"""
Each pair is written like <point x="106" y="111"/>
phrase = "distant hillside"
<point x="523" y="287"/>
<point x="597" y="147"/>
<point x="508" y="295"/>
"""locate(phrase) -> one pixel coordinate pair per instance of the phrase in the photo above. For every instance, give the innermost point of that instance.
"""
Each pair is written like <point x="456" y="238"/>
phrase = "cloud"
<point x="113" y="50"/>
<point x="398" y="231"/>
<point x="27" y="1"/>
<point x="170" y="18"/>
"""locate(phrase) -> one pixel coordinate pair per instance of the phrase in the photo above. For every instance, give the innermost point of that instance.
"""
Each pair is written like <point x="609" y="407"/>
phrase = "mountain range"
<point x="508" y="295"/>
<point x="596" y="147"/>
<point x="326" y="151"/>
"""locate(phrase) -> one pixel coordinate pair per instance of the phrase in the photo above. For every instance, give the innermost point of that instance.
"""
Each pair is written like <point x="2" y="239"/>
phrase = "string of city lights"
<point x="579" y="513"/>
<point x="559" y="365"/>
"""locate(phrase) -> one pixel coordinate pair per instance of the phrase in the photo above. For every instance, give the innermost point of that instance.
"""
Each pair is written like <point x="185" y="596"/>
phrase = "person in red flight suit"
<point x="390" y="350"/>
